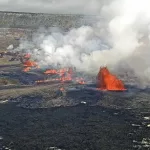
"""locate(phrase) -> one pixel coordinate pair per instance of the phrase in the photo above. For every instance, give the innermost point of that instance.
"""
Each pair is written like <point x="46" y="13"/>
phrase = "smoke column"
<point x="122" y="40"/>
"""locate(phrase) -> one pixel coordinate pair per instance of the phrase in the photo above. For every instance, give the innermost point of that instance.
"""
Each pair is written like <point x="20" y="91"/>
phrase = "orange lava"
<point x="64" y="75"/>
<point x="29" y="63"/>
<point x="50" y="71"/>
<point x="62" y="89"/>
<point x="26" y="69"/>
<point x="80" y="81"/>
<point x="62" y="71"/>
<point x="108" y="81"/>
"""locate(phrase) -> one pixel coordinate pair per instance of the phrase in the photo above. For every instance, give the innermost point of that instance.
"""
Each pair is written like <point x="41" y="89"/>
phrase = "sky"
<point x="53" y="6"/>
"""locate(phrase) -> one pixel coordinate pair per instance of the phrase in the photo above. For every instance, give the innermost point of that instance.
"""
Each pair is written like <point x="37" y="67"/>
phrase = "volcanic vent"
<point x="108" y="81"/>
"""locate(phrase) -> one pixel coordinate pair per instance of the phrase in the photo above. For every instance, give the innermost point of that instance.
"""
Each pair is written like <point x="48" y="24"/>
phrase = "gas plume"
<point x="120" y="41"/>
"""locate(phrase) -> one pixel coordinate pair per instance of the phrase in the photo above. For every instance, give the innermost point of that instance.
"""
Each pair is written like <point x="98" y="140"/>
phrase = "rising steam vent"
<point x="107" y="81"/>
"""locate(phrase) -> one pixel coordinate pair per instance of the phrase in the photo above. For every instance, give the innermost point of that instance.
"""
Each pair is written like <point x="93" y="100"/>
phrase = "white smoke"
<point x="122" y="39"/>
<point x="77" y="48"/>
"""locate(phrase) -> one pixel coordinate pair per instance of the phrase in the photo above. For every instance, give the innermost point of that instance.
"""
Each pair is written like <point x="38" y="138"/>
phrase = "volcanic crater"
<point x="68" y="108"/>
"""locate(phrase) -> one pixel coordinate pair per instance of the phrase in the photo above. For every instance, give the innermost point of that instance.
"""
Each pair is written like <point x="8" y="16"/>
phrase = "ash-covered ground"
<point x="40" y="116"/>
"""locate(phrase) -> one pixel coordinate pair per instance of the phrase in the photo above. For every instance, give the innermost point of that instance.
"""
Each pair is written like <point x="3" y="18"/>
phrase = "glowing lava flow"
<point x="64" y="75"/>
<point x="67" y="76"/>
<point x="50" y="71"/>
<point x="107" y="81"/>
<point x="28" y="65"/>
<point x="80" y="81"/>
<point x="26" y="69"/>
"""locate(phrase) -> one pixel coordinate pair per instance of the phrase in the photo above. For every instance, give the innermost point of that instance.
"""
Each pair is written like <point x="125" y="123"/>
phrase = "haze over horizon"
<point x="91" y="7"/>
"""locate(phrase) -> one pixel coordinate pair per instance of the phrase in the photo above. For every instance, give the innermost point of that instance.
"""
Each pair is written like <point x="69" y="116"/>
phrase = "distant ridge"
<point x="36" y="20"/>
<point x="13" y="12"/>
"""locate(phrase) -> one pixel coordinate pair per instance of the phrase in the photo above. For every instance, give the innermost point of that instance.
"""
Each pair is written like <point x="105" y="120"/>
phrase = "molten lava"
<point x="108" y="81"/>
<point x="62" y="89"/>
<point x="62" y="71"/>
<point x="80" y="81"/>
<point x="26" y="69"/>
<point x="64" y="75"/>
<point x="50" y="71"/>
<point x="29" y="63"/>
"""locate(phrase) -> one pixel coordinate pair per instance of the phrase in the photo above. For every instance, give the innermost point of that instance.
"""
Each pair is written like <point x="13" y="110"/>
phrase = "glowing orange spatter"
<point x="26" y="69"/>
<point x="62" y="89"/>
<point x="108" y="81"/>
<point x="80" y="81"/>
<point x="50" y="71"/>
<point x="28" y="65"/>
<point x="64" y="75"/>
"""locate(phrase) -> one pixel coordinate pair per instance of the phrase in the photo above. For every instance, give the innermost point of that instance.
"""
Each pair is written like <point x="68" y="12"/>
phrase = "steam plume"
<point x="122" y="39"/>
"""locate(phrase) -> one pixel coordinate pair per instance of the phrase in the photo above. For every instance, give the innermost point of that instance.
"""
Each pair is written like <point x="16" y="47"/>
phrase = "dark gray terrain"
<point x="41" y="117"/>
<point x="35" y="20"/>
